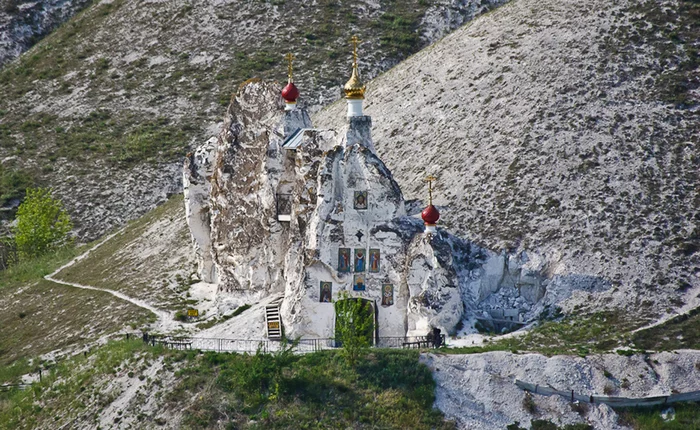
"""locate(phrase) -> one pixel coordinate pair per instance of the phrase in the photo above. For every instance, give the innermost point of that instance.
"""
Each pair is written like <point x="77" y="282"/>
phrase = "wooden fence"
<point x="615" y="402"/>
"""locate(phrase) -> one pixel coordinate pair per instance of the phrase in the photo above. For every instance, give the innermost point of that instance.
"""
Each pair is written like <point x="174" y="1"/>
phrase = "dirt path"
<point x="165" y="321"/>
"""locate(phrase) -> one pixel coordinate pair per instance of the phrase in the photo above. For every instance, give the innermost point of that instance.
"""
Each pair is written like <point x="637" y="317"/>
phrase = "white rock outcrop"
<point x="308" y="223"/>
<point x="478" y="390"/>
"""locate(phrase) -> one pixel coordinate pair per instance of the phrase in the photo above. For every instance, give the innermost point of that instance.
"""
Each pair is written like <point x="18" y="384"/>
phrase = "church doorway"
<point x="355" y="316"/>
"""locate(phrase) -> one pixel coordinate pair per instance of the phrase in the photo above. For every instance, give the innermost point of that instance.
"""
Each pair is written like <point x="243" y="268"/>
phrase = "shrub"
<point x="42" y="224"/>
<point x="354" y="326"/>
<point x="543" y="425"/>
<point x="529" y="403"/>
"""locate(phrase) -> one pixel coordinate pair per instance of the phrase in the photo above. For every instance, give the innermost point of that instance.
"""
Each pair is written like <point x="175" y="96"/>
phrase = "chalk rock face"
<point x="23" y="22"/>
<point x="309" y="215"/>
<point x="199" y="166"/>
<point x="249" y="244"/>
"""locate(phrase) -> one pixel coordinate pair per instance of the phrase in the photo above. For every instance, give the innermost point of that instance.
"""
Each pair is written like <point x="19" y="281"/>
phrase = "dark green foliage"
<point x="42" y="224"/>
<point x="14" y="183"/>
<point x="543" y="425"/>
<point x="529" y="404"/>
<point x="239" y="310"/>
<point x="687" y="417"/>
<point x="354" y="327"/>
<point x="387" y="389"/>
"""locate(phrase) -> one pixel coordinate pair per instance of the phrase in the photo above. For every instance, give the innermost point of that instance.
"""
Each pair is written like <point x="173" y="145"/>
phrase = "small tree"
<point x="354" y="326"/>
<point x="42" y="224"/>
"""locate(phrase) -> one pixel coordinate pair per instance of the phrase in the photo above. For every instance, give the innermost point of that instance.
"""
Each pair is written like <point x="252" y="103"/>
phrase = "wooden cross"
<point x="290" y="58"/>
<point x="355" y="41"/>
<point x="430" y="180"/>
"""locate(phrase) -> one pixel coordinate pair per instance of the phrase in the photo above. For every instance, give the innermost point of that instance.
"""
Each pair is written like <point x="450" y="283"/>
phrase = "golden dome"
<point x="354" y="88"/>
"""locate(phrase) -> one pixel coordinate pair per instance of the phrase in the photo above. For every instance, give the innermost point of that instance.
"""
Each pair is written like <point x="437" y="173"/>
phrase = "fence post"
<point x="572" y="395"/>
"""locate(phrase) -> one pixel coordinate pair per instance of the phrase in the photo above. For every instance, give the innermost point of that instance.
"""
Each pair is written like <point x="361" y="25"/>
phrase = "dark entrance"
<point x="345" y="311"/>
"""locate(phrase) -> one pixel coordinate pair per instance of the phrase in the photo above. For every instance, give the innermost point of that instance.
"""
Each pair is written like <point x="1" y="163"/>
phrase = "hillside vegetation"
<point x="105" y="107"/>
<point x="567" y="129"/>
<point x="126" y="384"/>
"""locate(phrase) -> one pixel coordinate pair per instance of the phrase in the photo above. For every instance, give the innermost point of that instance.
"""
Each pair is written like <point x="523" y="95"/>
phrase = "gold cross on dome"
<point x="430" y="180"/>
<point x="355" y="41"/>
<point x="290" y="58"/>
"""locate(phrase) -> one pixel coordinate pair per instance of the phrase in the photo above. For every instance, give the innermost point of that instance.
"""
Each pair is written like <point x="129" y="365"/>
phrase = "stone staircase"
<point x="273" y="321"/>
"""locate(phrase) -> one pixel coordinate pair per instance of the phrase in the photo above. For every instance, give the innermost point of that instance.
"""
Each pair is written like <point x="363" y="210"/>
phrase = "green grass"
<point x="389" y="389"/>
<point x="33" y="270"/>
<point x="687" y="417"/>
<point x="146" y="278"/>
<point x="681" y="332"/>
<point x="573" y="335"/>
<point x="11" y="374"/>
<point x="121" y="126"/>
<point x="69" y="388"/>
<point x="42" y="316"/>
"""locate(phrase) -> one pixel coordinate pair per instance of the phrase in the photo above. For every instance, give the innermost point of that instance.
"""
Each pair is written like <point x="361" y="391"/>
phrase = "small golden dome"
<point x="354" y="88"/>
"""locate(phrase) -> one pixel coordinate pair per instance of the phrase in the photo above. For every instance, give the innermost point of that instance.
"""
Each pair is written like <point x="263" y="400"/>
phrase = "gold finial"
<point x="290" y="58"/>
<point x="430" y="180"/>
<point x="355" y="41"/>
<point x="354" y="89"/>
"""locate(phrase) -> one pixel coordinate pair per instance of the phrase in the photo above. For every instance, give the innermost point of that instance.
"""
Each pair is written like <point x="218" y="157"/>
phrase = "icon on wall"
<point x="374" y="260"/>
<point x="360" y="259"/>
<point x="358" y="283"/>
<point x="387" y="295"/>
<point x="326" y="292"/>
<point x="343" y="259"/>
<point x="360" y="200"/>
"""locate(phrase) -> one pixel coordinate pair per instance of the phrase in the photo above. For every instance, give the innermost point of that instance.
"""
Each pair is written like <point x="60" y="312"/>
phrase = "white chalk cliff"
<point x="278" y="208"/>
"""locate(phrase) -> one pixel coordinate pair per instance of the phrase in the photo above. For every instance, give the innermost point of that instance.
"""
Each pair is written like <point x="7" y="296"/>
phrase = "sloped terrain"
<point x="126" y="384"/>
<point x="151" y="259"/>
<point x="565" y="128"/>
<point x="105" y="107"/>
<point x="44" y="317"/>
<point x="24" y="22"/>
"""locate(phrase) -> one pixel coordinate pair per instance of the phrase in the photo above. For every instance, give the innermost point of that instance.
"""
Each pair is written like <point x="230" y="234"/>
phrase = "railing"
<point x="615" y="402"/>
<point x="267" y="346"/>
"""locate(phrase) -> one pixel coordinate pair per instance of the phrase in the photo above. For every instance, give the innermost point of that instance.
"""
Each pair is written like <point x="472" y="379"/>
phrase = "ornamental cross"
<point x="355" y="40"/>
<point x="359" y="235"/>
<point x="290" y="58"/>
<point x="430" y="180"/>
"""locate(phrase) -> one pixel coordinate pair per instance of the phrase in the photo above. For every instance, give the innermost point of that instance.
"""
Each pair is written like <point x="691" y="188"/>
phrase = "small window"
<point x="284" y="207"/>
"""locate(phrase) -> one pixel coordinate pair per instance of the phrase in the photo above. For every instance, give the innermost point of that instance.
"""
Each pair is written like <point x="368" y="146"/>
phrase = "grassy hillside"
<point x="150" y="259"/>
<point x="567" y="133"/>
<point x="126" y="384"/>
<point x="126" y="83"/>
<point x="40" y="316"/>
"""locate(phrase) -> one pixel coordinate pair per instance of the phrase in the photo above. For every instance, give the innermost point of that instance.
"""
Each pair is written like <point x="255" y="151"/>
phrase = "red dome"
<point x="430" y="214"/>
<point x="290" y="93"/>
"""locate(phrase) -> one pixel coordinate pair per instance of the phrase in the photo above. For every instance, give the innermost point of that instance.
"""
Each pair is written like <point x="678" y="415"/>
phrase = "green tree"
<point x="42" y="224"/>
<point x="354" y="325"/>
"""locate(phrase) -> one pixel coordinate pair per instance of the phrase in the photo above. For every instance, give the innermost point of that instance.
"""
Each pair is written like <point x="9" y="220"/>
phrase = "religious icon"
<point x="326" y="292"/>
<point x="374" y="260"/>
<point x="343" y="259"/>
<point x="387" y="295"/>
<point x="358" y="283"/>
<point x="360" y="200"/>
<point x="359" y="260"/>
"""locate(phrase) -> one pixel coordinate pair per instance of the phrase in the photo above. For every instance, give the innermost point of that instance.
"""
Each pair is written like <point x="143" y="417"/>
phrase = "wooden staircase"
<point x="273" y="321"/>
